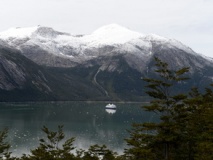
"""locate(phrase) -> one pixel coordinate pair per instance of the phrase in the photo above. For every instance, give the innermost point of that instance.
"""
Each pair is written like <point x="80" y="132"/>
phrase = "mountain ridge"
<point x="105" y="65"/>
<point x="110" y="35"/>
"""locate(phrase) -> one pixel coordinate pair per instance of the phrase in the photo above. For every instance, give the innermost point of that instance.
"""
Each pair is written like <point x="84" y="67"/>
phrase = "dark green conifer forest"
<point x="184" y="130"/>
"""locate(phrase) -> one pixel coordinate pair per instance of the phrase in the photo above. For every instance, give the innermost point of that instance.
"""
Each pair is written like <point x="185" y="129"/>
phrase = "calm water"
<point x="89" y="123"/>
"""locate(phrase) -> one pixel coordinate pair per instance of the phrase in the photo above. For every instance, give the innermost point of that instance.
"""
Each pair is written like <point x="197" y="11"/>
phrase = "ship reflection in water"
<point x="110" y="108"/>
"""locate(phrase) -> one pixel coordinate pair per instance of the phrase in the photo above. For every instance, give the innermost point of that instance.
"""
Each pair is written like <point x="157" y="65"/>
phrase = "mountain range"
<point x="41" y="64"/>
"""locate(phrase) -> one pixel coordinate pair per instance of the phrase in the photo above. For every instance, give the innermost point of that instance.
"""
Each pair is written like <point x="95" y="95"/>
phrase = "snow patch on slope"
<point x="169" y="42"/>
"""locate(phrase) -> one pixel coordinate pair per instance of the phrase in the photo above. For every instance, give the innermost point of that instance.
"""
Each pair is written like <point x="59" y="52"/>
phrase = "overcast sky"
<point x="189" y="21"/>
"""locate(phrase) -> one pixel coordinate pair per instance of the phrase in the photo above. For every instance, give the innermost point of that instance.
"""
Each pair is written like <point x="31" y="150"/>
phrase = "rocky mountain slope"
<point x="23" y="80"/>
<point x="104" y="65"/>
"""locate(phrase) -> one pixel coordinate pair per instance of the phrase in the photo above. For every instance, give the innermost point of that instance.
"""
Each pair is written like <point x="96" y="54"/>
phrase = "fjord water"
<point x="90" y="123"/>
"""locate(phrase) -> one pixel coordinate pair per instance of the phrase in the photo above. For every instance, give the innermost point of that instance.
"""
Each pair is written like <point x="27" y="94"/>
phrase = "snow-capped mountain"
<point x="48" y="47"/>
<point x="108" y="35"/>
<point x="108" y="62"/>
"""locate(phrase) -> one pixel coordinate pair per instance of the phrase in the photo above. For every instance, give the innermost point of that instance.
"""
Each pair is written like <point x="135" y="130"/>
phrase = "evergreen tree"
<point x="4" y="146"/>
<point x="160" y="140"/>
<point x="51" y="147"/>
<point x="199" y="125"/>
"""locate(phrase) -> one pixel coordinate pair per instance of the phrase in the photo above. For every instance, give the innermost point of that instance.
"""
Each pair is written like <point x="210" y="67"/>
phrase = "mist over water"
<point x="89" y="123"/>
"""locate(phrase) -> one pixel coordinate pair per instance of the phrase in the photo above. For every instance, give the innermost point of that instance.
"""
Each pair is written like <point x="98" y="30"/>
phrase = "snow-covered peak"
<point x="111" y="34"/>
<point x="18" y="32"/>
<point x="115" y="29"/>
<point x="47" y="32"/>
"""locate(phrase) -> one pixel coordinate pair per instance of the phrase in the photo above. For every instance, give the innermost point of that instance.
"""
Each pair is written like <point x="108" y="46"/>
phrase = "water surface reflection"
<point x="90" y="123"/>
